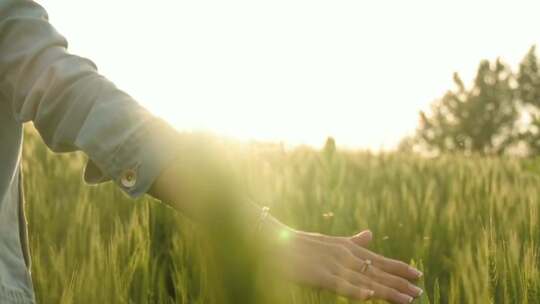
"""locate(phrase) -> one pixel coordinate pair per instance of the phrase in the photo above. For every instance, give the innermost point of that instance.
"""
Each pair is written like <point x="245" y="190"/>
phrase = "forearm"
<point x="202" y="185"/>
<point x="196" y="180"/>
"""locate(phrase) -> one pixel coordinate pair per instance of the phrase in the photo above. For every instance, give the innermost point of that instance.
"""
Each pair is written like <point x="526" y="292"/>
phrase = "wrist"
<point x="273" y="232"/>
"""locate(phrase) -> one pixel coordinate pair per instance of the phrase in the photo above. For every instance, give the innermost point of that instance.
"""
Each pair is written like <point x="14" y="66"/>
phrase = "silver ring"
<point x="365" y="266"/>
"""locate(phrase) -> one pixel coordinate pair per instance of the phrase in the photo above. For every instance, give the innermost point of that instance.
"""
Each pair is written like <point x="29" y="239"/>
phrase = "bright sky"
<point x="291" y="70"/>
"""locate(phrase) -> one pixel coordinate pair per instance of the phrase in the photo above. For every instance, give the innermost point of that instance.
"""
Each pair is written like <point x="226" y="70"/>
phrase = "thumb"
<point x="363" y="238"/>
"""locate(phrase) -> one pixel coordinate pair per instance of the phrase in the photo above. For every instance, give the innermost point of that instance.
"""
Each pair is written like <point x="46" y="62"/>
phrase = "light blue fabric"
<point x="73" y="108"/>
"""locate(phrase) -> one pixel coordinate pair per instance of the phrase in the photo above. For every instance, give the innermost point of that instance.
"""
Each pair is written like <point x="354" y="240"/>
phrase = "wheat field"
<point x="470" y="223"/>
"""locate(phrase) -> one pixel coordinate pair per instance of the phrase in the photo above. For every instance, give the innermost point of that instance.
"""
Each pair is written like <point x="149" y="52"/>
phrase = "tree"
<point x="329" y="149"/>
<point x="480" y="120"/>
<point x="529" y="94"/>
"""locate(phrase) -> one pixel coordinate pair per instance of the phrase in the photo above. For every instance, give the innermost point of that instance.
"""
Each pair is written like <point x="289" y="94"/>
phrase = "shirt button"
<point x="129" y="178"/>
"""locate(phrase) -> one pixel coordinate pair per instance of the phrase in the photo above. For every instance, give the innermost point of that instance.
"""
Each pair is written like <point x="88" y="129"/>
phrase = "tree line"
<point x="498" y="113"/>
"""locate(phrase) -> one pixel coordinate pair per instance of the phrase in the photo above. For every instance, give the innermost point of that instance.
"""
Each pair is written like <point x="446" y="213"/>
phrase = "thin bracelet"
<point x="264" y="214"/>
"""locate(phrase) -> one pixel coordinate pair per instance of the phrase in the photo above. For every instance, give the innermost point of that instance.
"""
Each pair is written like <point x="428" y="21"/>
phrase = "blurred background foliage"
<point x="499" y="113"/>
<point x="472" y="223"/>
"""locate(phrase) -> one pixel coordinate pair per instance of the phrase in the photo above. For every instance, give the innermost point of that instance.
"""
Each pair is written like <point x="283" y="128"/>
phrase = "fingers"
<point x="379" y="291"/>
<point x="391" y="266"/>
<point x="395" y="282"/>
<point x="363" y="238"/>
<point x="345" y="288"/>
<point x="398" y="283"/>
<point x="395" y="267"/>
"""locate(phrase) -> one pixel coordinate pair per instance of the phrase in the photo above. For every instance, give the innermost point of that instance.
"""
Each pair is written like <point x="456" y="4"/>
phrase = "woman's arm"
<point x="200" y="184"/>
<point x="75" y="108"/>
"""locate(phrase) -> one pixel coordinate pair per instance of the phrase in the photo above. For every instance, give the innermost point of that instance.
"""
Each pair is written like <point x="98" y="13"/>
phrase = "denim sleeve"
<point x="75" y="108"/>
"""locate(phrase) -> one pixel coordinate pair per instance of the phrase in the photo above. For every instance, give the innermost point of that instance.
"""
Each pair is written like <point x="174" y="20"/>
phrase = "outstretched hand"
<point x="345" y="266"/>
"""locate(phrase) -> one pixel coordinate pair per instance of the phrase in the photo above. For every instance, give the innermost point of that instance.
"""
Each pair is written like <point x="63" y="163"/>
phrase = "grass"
<point x="471" y="223"/>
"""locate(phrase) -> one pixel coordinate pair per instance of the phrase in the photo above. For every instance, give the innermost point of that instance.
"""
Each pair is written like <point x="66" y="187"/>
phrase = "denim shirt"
<point x="74" y="109"/>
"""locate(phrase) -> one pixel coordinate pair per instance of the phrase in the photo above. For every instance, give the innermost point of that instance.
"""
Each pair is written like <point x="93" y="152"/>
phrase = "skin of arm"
<point x="201" y="185"/>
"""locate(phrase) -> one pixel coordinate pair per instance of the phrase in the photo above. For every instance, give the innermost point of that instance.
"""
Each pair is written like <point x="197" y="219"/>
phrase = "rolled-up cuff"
<point x="137" y="163"/>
